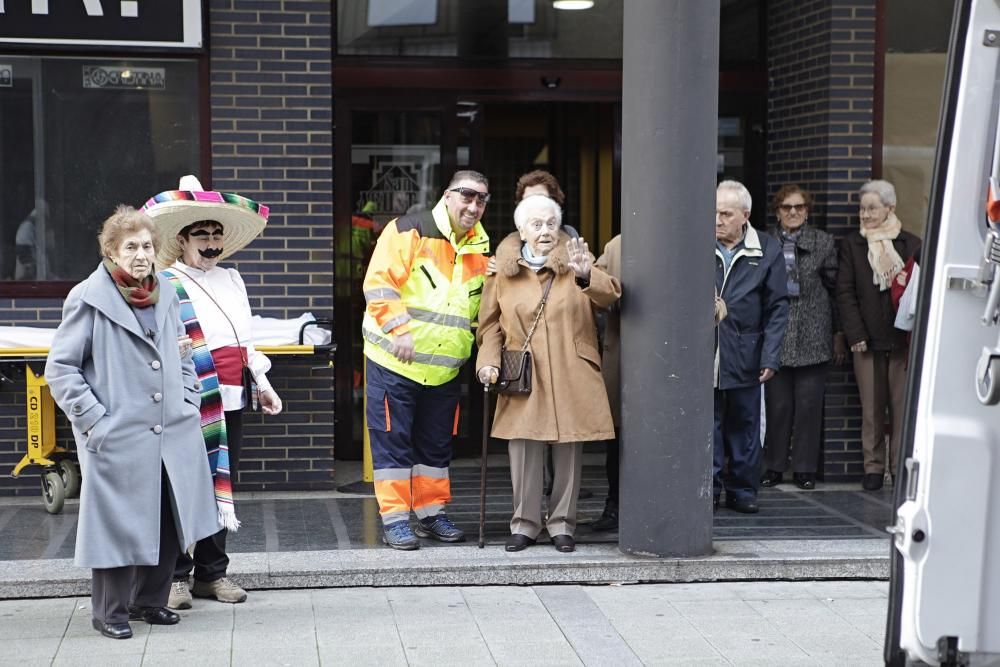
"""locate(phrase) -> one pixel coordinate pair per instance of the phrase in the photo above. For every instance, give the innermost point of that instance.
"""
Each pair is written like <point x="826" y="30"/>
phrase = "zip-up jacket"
<point x="423" y="281"/>
<point x="756" y="294"/>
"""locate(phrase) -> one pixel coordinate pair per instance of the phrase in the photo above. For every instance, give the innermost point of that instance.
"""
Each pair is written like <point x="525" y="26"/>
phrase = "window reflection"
<point x="80" y="136"/>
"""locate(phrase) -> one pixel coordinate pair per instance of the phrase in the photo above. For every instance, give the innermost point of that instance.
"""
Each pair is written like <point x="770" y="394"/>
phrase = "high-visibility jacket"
<point x="424" y="281"/>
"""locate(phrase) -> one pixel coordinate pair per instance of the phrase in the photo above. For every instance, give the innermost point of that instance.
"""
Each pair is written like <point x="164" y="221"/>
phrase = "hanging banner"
<point x="117" y="23"/>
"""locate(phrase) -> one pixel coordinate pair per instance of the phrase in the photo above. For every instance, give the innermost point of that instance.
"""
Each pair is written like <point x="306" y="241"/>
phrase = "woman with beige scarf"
<point x="870" y="259"/>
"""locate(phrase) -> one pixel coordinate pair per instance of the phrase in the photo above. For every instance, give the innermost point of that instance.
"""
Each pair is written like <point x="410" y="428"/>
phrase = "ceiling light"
<point x="572" y="4"/>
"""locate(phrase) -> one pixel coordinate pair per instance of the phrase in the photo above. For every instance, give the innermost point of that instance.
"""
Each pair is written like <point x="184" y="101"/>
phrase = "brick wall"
<point x="821" y="56"/>
<point x="271" y="135"/>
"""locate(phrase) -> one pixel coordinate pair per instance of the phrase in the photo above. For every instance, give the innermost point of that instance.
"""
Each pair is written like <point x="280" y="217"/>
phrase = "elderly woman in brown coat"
<point x="871" y="258"/>
<point x="568" y="404"/>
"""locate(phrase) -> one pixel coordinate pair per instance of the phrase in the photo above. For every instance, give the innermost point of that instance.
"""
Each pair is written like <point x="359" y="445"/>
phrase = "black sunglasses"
<point x="469" y="193"/>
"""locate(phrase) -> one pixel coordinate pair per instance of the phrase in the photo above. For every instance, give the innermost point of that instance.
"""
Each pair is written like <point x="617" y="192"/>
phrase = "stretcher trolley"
<point x="59" y="468"/>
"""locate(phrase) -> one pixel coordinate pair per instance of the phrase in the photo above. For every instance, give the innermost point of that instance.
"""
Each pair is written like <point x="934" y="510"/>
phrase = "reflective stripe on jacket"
<point x="423" y="282"/>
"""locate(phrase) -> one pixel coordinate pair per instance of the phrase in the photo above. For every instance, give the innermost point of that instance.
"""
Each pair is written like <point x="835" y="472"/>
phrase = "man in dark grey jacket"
<point x="750" y="277"/>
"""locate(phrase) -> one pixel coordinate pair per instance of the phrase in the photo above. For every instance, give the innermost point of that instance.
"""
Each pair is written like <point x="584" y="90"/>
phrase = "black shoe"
<point x="771" y="478"/>
<point x="609" y="518"/>
<point x="805" y="481"/>
<point x="518" y="542"/>
<point x="113" y="630"/>
<point x="564" y="543"/>
<point x="872" y="481"/>
<point x="153" y="615"/>
<point x="743" y="505"/>
<point x="715" y="504"/>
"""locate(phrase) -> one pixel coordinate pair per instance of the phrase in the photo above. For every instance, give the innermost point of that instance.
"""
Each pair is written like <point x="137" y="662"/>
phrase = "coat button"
<point x="157" y="429"/>
<point x="197" y="386"/>
<point x="77" y="410"/>
<point x="155" y="365"/>
<point x="157" y="397"/>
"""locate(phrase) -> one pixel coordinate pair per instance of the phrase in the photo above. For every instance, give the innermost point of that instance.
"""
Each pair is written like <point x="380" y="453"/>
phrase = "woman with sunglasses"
<point x="794" y="396"/>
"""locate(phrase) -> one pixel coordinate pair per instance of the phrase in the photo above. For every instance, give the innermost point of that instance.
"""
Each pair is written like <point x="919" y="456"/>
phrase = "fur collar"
<point x="509" y="261"/>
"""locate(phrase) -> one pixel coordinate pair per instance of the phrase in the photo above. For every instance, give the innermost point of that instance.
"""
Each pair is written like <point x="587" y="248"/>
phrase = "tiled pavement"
<point x="745" y="623"/>
<point x="330" y="521"/>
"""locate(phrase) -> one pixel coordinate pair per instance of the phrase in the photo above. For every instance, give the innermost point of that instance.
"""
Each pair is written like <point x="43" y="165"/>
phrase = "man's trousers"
<point x="737" y="437"/>
<point x="410" y="426"/>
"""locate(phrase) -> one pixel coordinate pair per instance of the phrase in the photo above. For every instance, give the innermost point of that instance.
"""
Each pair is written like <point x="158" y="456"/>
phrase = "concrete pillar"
<point x="670" y="99"/>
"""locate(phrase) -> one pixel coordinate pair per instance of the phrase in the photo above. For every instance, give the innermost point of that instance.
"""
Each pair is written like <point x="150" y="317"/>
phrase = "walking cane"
<point x="482" y="466"/>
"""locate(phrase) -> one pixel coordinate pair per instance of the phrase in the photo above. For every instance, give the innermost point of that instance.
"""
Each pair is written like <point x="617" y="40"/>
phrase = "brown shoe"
<point x="180" y="596"/>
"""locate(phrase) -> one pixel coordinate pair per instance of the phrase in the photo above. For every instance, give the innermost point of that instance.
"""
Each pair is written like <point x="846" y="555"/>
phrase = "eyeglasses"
<point x="870" y="210"/>
<point x="468" y="194"/>
<point x="788" y="208"/>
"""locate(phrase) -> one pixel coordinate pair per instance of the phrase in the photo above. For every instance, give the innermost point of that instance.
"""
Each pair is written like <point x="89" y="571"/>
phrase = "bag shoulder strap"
<point x="243" y="357"/>
<point x="538" y="315"/>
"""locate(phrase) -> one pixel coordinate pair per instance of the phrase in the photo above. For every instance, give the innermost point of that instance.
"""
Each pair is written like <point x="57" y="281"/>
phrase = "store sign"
<point x="146" y="23"/>
<point x="6" y="76"/>
<point x="395" y="187"/>
<point x="124" y="78"/>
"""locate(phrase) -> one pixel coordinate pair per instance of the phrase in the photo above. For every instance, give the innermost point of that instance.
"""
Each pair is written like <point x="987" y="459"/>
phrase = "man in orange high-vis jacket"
<point x="422" y="289"/>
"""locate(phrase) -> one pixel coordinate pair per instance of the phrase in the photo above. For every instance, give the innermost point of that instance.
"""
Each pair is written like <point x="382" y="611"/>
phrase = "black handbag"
<point x="515" y="365"/>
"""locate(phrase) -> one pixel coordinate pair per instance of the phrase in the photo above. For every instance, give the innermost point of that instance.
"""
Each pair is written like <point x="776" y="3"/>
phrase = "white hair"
<point x="739" y="190"/>
<point x="532" y="202"/>
<point x="884" y="189"/>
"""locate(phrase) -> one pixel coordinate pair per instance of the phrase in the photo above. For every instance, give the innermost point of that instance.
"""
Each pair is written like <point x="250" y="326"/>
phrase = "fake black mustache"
<point x="211" y="253"/>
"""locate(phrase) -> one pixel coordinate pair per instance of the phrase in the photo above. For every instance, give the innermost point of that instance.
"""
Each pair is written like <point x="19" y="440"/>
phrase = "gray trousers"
<point x="114" y="589"/>
<point x="527" y="462"/>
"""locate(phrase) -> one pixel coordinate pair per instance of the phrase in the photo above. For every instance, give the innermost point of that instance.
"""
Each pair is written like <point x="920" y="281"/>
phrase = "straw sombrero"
<point x="243" y="219"/>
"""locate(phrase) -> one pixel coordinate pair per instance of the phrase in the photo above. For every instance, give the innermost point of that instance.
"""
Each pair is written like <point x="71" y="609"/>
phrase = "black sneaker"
<point x="609" y="517"/>
<point x="439" y="528"/>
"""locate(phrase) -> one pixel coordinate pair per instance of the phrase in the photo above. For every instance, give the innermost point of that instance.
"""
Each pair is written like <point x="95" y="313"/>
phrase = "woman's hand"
<point x="839" y="348"/>
<point x="579" y="258"/>
<point x="270" y="403"/>
<point x="488" y="374"/>
<point x="860" y="347"/>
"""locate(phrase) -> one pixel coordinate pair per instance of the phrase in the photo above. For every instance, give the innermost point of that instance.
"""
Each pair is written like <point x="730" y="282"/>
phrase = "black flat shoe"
<point x="153" y="615"/>
<point x="805" y="481"/>
<point x="771" y="478"/>
<point x="872" y="481"/>
<point x="563" y="543"/>
<point x="743" y="505"/>
<point x="518" y="542"/>
<point x="113" y="630"/>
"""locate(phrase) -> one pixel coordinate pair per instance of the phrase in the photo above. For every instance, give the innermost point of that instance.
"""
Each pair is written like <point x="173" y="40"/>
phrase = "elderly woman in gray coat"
<point x="117" y="370"/>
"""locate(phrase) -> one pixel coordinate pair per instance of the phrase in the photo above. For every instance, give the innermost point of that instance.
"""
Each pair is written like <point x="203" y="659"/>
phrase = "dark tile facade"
<point x="271" y="140"/>
<point x="821" y="71"/>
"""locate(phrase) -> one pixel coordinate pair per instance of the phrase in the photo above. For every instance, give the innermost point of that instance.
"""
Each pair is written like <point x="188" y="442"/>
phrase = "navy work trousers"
<point x="737" y="437"/>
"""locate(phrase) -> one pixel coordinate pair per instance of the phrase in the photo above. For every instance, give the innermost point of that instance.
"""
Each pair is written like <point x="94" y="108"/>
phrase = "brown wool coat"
<point x="568" y="402"/>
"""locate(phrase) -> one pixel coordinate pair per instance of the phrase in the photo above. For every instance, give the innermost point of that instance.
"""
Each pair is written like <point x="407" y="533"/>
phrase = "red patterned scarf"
<point x="139" y="295"/>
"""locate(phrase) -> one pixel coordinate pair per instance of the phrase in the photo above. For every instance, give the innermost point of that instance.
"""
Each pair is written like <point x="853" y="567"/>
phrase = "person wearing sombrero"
<point x="198" y="229"/>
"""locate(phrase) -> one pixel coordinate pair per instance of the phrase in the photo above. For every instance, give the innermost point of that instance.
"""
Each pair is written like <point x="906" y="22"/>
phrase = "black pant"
<point x="611" y="461"/>
<point x="794" y="406"/>
<point x="210" y="560"/>
<point x="113" y="589"/>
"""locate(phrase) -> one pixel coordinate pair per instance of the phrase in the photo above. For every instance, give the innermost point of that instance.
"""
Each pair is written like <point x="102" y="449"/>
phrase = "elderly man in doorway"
<point x="198" y="229"/>
<point x="750" y="276"/>
<point x="423" y="288"/>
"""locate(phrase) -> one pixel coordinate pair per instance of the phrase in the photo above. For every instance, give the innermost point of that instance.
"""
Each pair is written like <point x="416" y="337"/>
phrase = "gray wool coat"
<point x="134" y="407"/>
<point x="812" y="316"/>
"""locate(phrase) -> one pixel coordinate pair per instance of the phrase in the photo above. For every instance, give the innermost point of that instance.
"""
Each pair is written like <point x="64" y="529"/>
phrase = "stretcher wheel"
<point x="53" y="492"/>
<point x="70" y="473"/>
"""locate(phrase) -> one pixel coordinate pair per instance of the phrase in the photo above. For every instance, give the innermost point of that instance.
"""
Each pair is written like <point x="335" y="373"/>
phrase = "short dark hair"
<point x="186" y="231"/>
<point x="540" y="177"/>
<point x="787" y="191"/>
<point x="468" y="175"/>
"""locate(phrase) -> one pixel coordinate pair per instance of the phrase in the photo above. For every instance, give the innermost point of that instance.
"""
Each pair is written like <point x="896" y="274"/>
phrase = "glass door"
<point x="399" y="162"/>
